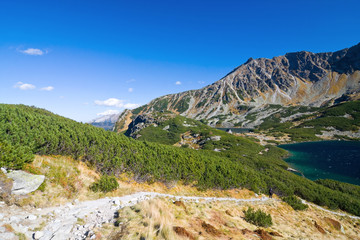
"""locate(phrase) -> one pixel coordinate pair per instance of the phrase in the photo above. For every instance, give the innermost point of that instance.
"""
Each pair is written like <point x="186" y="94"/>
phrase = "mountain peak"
<point x="298" y="78"/>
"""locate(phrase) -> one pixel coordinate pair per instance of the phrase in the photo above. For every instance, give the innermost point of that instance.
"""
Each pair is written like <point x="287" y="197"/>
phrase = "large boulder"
<point x="24" y="183"/>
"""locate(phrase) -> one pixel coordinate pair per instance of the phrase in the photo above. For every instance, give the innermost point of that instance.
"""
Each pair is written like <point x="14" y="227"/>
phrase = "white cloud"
<point x="201" y="82"/>
<point x="131" y="105"/>
<point x="131" y="80"/>
<point x="178" y="83"/>
<point x="130" y="89"/>
<point x="24" y="86"/>
<point x="108" y="112"/>
<point x="49" y="88"/>
<point x="114" y="102"/>
<point x="33" y="51"/>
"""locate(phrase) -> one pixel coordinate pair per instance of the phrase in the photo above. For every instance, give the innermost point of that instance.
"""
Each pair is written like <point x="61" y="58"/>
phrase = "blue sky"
<point x="83" y="58"/>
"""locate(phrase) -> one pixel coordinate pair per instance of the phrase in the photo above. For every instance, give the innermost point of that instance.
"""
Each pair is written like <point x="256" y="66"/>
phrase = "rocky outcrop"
<point x="300" y="78"/>
<point x="145" y="120"/>
<point x="24" y="183"/>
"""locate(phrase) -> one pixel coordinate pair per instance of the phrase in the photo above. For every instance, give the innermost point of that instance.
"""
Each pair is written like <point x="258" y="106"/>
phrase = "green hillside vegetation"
<point x="351" y="189"/>
<point x="241" y="165"/>
<point x="343" y="117"/>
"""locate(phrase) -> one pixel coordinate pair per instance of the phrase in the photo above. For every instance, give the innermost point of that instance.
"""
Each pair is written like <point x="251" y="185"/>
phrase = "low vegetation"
<point x="105" y="184"/>
<point x="295" y="203"/>
<point x="258" y="217"/>
<point x="237" y="165"/>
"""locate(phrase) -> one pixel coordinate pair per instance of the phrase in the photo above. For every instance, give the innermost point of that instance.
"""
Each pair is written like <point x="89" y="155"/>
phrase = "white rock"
<point x="31" y="217"/>
<point x="7" y="235"/>
<point x="1" y="216"/>
<point x="23" y="182"/>
<point x="116" y="202"/>
<point x="2" y="229"/>
<point x="38" y="235"/>
<point x="14" y="219"/>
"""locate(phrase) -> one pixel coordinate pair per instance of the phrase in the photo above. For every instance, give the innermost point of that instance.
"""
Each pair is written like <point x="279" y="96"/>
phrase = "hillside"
<point x="37" y="131"/>
<point x="157" y="211"/>
<point x="300" y="78"/>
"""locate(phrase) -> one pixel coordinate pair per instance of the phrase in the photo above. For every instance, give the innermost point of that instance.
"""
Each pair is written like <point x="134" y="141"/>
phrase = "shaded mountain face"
<point x="300" y="78"/>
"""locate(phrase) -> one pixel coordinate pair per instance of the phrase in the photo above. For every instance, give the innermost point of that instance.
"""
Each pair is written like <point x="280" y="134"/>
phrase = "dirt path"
<point x="77" y="220"/>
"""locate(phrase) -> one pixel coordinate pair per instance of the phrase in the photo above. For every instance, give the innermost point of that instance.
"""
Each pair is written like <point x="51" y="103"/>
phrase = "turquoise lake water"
<point x="339" y="160"/>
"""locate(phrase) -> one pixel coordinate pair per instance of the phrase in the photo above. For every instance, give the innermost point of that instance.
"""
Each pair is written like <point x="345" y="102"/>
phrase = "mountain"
<point x="299" y="78"/>
<point x="106" y="122"/>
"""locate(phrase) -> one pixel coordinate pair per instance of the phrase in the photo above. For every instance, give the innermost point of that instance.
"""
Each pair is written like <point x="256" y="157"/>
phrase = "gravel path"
<point x="78" y="219"/>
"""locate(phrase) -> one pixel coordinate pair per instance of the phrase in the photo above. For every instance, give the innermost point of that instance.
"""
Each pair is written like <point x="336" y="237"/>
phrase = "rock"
<point x="6" y="185"/>
<point x="215" y="138"/>
<point x="31" y="217"/>
<point x="2" y="229"/>
<point x="7" y="236"/>
<point x="14" y="219"/>
<point x="24" y="183"/>
<point x="3" y="170"/>
<point x="38" y="234"/>
<point x="334" y="223"/>
<point x="1" y="216"/>
<point x="117" y="202"/>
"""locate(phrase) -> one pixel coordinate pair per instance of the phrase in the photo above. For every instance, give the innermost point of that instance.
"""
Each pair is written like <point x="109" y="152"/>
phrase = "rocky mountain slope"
<point x="106" y="122"/>
<point x="300" y="78"/>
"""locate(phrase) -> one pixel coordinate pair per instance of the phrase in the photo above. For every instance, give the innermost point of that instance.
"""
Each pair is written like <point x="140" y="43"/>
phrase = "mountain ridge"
<point x="298" y="78"/>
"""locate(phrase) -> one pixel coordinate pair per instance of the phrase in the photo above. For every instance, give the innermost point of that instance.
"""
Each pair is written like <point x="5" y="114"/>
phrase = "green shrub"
<point x="14" y="156"/>
<point x="258" y="218"/>
<point x="105" y="184"/>
<point x="295" y="203"/>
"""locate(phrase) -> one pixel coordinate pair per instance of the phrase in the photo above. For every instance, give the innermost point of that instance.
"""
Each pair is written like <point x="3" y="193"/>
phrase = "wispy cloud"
<point x="178" y="83"/>
<point x="201" y="82"/>
<point x="131" y="80"/>
<point x="33" y="51"/>
<point x="108" y="112"/>
<point x="24" y="86"/>
<point x="114" y="102"/>
<point x="49" y="88"/>
<point x="130" y="89"/>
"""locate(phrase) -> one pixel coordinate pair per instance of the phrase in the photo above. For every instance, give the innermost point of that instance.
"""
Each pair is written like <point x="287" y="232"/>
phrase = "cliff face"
<point x="300" y="78"/>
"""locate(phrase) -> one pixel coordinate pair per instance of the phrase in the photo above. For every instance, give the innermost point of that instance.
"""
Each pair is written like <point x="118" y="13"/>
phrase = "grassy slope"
<point x="239" y="166"/>
<point x="156" y="219"/>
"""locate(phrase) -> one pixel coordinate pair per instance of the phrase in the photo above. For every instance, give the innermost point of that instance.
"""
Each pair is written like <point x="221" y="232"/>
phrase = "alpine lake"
<point x="338" y="160"/>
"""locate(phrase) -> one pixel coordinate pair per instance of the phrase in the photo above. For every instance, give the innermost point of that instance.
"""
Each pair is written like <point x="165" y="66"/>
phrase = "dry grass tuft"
<point x="210" y="229"/>
<point x="182" y="232"/>
<point x="8" y="227"/>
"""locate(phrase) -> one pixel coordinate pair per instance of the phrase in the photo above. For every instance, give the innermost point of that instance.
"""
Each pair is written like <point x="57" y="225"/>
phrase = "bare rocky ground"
<point x="77" y="220"/>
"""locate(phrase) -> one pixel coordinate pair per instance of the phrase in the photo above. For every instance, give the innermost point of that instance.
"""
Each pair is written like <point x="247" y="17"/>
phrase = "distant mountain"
<point x="300" y="78"/>
<point x="106" y="122"/>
